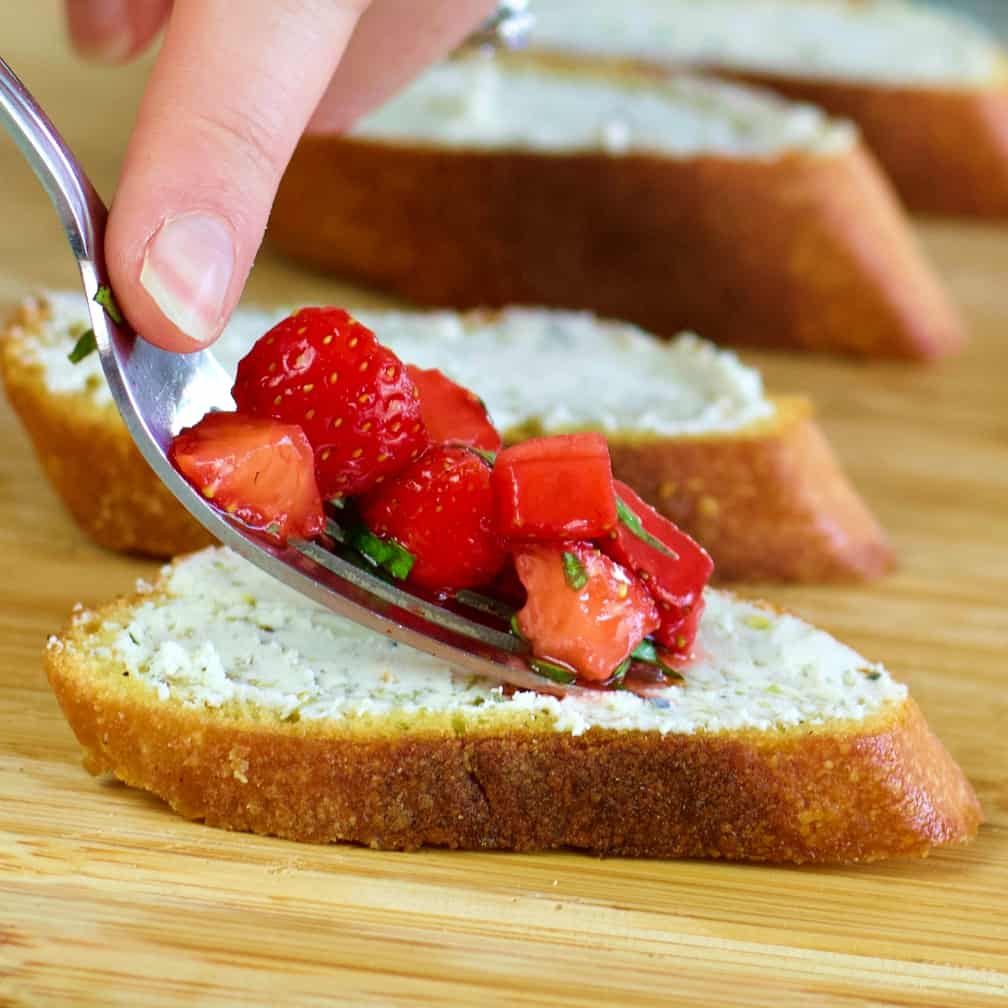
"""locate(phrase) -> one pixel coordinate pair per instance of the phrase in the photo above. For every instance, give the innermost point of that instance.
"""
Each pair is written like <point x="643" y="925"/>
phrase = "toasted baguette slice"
<point x="249" y="707"/>
<point x="690" y="428"/>
<point x="675" y="204"/>
<point x="929" y="90"/>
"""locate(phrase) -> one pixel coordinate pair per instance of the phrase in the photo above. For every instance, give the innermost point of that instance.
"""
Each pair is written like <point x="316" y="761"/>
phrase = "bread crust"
<point x="769" y="502"/>
<point x="945" y="149"/>
<point x="802" y="251"/>
<point x="91" y="461"/>
<point x="840" y="793"/>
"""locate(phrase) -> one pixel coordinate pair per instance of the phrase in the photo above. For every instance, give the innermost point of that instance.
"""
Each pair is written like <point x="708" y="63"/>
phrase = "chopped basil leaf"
<point x="574" y="571"/>
<point x="633" y="523"/>
<point x="488" y="456"/>
<point x="646" y="652"/>
<point x="555" y="673"/>
<point x="107" y="301"/>
<point x="515" y="629"/>
<point x="874" y="676"/>
<point x="84" y="347"/>
<point x="384" y="553"/>
<point x="619" y="674"/>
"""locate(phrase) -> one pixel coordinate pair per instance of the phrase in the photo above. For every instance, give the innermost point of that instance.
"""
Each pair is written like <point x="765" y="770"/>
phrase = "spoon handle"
<point x="80" y="208"/>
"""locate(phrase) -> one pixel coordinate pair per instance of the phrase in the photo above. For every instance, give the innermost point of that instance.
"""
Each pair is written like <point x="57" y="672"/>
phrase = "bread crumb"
<point x="239" y="766"/>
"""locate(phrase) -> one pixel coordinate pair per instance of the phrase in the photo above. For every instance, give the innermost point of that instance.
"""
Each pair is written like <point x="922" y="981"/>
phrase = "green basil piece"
<point x="619" y="674"/>
<point x="84" y="347"/>
<point x="574" y="571"/>
<point x="555" y="673"/>
<point x="488" y="456"/>
<point x="646" y="652"/>
<point x="633" y="523"/>
<point x="384" y="553"/>
<point x="107" y="301"/>
<point x="515" y="629"/>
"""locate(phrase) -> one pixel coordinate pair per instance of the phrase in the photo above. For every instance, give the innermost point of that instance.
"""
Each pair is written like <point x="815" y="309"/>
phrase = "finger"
<point x="112" y="31"/>
<point x="231" y="92"/>
<point x="393" y="42"/>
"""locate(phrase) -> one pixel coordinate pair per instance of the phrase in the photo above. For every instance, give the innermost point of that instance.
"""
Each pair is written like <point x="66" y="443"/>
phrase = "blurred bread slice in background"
<point x="928" y="88"/>
<point x="675" y="203"/>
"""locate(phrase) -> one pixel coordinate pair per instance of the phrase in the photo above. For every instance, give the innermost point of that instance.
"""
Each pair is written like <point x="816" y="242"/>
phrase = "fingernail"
<point x="187" y="270"/>
<point x="112" y="49"/>
<point x="101" y="29"/>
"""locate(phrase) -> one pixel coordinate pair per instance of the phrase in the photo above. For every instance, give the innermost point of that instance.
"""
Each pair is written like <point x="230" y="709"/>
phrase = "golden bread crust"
<point x="90" y="459"/>
<point x="801" y="251"/>
<point x="837" y="793"/>
<point x="769" y="502"/>
<point x="945" y="150"/>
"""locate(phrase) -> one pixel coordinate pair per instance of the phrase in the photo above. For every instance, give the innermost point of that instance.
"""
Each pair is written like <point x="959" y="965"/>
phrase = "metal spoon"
<point x="158" y="393"/>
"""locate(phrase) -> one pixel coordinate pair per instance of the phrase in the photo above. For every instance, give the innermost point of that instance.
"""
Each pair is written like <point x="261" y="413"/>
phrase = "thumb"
<point x="232" y="90"/>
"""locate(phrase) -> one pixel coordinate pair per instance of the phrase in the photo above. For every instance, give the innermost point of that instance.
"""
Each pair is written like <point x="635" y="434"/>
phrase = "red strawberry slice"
<point x="259" y="470"/>
<point x="326" y="372"/>
<point x="583" y="610"/>
<point x="451" y="412"/>
<point x="672" y="566"/>
<point x="555" y="489"/>
<point x="440" y="509"/>
<point x="678" y="631"/>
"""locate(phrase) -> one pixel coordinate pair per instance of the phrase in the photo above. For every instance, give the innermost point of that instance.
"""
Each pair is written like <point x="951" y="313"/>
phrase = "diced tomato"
<point x="555" y="489"/>
<point x="583" y="610"/>
<point x="675" y="575"/>
<point x="259" y="470"/>
<point x="451" y="413"/>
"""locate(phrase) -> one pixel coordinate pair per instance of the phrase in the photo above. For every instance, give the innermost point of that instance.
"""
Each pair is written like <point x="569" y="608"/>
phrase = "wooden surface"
<point x="106" y="898"/>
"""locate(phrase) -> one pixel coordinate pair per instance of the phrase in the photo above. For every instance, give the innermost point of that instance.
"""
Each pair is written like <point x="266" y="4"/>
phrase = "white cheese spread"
<point x="561" y="369"/>
<point x="872" y="40"/>
<point x="478" y="104"/>
<point x="228" y="633"/>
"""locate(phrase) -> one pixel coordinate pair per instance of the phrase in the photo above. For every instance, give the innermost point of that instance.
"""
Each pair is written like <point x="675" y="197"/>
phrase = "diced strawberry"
<point x="326" y="372"/>
<point x="679" y="636"/>
<point x="257" y="469"/>
<point x="440" y="509"/>
<point x="583" y="610"/>
<point x="451" y="412"/>
<point x="672" y="566"/>
<point x="555" y="489"/>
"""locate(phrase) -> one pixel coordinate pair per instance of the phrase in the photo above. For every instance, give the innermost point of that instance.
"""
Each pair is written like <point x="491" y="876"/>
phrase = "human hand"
<point x="234" y="87"/>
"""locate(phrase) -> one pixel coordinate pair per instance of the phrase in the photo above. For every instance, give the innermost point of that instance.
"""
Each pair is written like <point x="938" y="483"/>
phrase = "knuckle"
<point x="246" y="136"/>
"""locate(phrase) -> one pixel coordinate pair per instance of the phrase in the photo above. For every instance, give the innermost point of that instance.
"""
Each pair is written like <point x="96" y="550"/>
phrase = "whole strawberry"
<point x="323" y="370"/>
<point x="440" y="510"/>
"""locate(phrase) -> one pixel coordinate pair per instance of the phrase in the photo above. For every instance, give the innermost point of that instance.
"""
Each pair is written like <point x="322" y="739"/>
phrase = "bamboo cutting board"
<point x="106" y="898"/>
